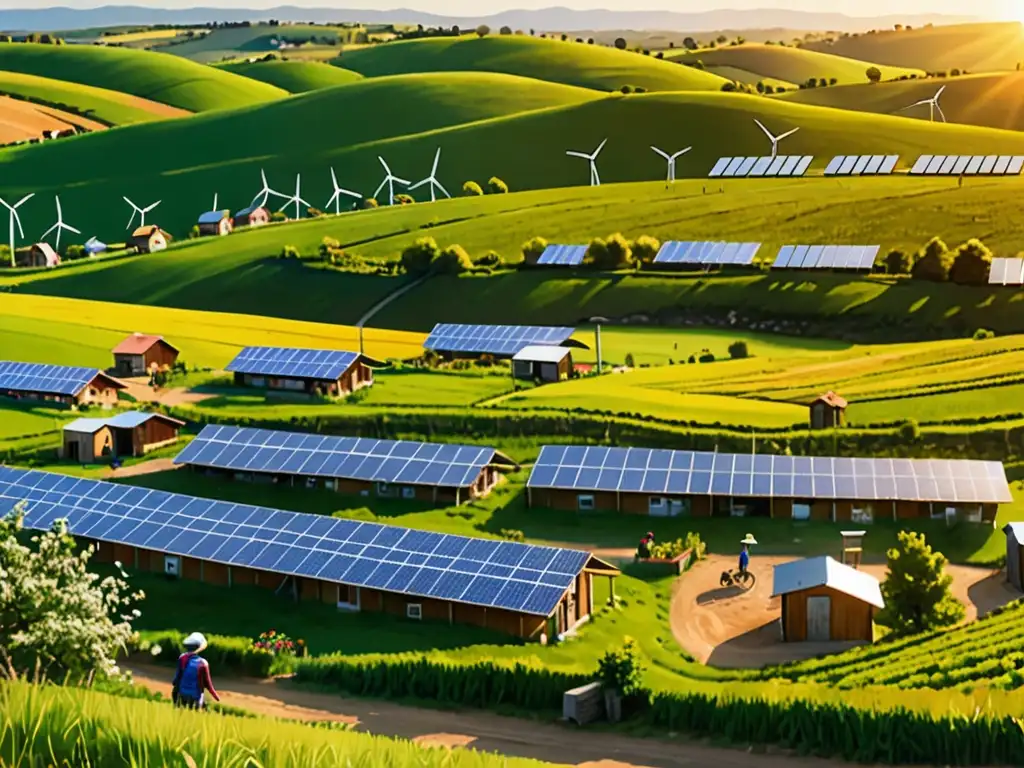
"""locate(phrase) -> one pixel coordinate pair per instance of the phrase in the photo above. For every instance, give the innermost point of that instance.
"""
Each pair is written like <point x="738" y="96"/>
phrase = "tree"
<point x="483" y="30"/>
<point x="620" y="43"/>
<point x="738" y="350"/>
<point x="933" y="262"/>
<point x="833" y="80"/>
<point x="74" y="252"/>
<point x="590" y="41"/>
<point x="721" y="39"/>
<point x="496" y="186"/>
<point x="630" y="362"/>
<point x="898" y="263"/>
<point x="471" y="189"/>
<point x="417" y="258"/>
<point x="53" y="611"/>
<point x="760" y="86"/>
<point x="699" y="64"/>
<point x="874" y="74"/>
<point x="564" y="37"/>
<point x="972" y="262"/>
<point x="453" y="260"/>
<point x="644" y="249"/>
<point x="689" y="44"/>
<point x="504" y="31"/>
<point x="533" y="248"/>
<point x="916" y="591"/>
<point x="612" y="252"/>
<point x="822" y="82"/>
<point x="289" y="252"/>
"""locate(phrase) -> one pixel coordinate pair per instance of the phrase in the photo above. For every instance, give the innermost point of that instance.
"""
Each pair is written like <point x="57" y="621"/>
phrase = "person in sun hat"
<point x="192" y="678"/>
<point x="746" y="541"/>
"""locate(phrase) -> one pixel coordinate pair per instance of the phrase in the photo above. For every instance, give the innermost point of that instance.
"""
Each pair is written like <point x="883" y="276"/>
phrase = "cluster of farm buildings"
<point x="521" y="589"/>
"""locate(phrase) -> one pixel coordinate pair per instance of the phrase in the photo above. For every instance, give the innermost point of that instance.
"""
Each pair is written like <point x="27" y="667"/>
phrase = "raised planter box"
<point x="677" y="564"/>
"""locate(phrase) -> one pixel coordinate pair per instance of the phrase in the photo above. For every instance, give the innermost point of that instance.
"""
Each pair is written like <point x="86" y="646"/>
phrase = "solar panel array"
<point x="968" y="165"/>
<point x="49" y="379"/>
<point x="353" y="458"/>
<point x="826" y="257"/>
<point x="493" y="339"/>
<point x="563" y="255"/>
<point x="782" y="165"/>
<point x="706" y="253"/>
<point x="1006" y="272"/>
<point x="643" y="470"/>
<point x="495" y="574"/>
<point x="326" y="364"/>
<point x="861" y="165"/>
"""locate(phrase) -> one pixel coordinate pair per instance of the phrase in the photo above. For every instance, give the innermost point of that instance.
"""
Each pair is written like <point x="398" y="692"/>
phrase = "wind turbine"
<point x="432" y="179"/>
<point x="671" y="160"/>
<point x="338" y="192"/>
<point x="264" y="194"/>
<point x="59" y="226"/>
<point x="595" y="180"/>
<point x="13" y="218"/>
<point x="389" y="180"/>
<point x="296" y="198"/>
<point x="775" y="139"/>
<point x="933" y="104"/>
<point x="141" y="211"/>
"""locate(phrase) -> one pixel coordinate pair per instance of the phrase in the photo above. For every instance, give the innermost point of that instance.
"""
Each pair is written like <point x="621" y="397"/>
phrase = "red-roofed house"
<point x="140" y="353"/>
<point x="828" y="410"/>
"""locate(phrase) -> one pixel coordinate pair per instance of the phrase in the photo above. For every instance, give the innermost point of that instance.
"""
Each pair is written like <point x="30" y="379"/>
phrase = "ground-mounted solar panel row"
<point x="968" y="165"/>
<point x="563" y="255"/>
<point x="861" y="165"/>
<point x="707" y="253"/>
<point x="289" y="361"/>
<point x="1006" y="271"/>
<point x="854" y="257"/>
<point x="504" y="340"/>
<point x="781" y="165"/>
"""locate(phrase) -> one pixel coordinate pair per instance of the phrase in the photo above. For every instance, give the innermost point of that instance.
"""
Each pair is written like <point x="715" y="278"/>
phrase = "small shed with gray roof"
<point x="216" y="223"/>
<point x="824" y="600"/>
<point x="1015" y="555"/>
<point x="132" y="433"/>
<point x="542" y="362"/>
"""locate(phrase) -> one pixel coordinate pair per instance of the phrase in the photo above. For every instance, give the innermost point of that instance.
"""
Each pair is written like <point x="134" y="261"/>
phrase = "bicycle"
<point x="742" y="579"/>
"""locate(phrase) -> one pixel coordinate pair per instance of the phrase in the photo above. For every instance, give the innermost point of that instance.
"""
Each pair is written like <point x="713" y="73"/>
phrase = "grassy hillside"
<point x="974" y="47"/>
<point x="294" y="76"/>
<point x="994" y="100"/>
<point x="236" y="42"/>
<point x="589" y="66"/>
<point x="166" y="79"/>
<point x="794" y="65"/>
<point x="750" y="78"/>
<point x="101" y="104"/>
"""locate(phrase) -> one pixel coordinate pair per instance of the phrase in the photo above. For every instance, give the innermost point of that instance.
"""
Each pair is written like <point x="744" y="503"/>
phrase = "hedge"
<point x="233" y="654"/>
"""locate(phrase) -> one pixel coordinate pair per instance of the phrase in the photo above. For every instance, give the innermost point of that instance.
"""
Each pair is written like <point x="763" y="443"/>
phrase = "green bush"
<point x="513" y="534"/>
<point x="933" y="262"/>
<point x="232" y="654"/>
<point x="533" y="248"/>
<point x="453" y="260"/>
<point x="738" y="350"/>
<point x="981" y="334"/>
<point x="898" y="262"/>
<point x="622" y="670"/>
<point x="289" y="252"/>
<point x="496" y="186"/>
<point x="471" y="189"/>
<point x="612" y="252"/>
<point x="418" y="257"/>
<point x="972" y="262"/>
<point x="645" y="248"/>
<point x="74" y="252"/>
<point x="489" y="259"/>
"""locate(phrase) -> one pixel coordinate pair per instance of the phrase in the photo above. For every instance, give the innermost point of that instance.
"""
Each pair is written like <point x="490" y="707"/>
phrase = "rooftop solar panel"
<point x="415" y="563"/>
<point x="493" y="339"/>
<point x="720" y="166"/>
<point x="46" y="379"/>
<point x="745" y="475"/>
<point x="324" y="364"/>
<point x="563" y="255"/>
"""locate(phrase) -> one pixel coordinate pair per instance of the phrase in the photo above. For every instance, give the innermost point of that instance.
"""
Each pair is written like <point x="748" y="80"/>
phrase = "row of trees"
<point x="425" y="256"/>
<point x="967" y="264"/>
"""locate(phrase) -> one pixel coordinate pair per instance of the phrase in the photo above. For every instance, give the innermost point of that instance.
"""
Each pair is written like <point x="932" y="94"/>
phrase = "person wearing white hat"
<point x="192" y="678"/>
<point x="746" y="541"/>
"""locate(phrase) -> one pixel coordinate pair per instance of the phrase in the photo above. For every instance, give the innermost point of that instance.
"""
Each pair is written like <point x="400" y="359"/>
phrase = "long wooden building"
<point x="520" y="589"/>
<point x="314" y="372"/>
<point x="61" y="384"/>
<point x="663" y="483"/>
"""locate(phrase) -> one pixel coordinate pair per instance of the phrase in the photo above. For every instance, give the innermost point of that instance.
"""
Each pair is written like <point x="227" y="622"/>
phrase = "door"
<point x="819" y="614"/>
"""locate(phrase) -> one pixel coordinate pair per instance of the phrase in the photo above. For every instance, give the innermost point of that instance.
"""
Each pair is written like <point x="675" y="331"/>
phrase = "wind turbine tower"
<point x="141" y="211"/>
<point x="296" y="198"/>
<point x="338" y="192"/>
<point x="774" y="139"/>
<point x="432" y="179"/>
<point x="671" y="159"/>
<point x="389" y="181"/>
<point x="595" y="180"/>
<point x="59" y="226"/>
<point x="933" y="105"/>
<point x="14" y="219"/>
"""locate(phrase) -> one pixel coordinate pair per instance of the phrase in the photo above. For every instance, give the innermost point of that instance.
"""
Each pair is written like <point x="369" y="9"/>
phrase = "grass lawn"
<point x="17" y="420"/>
<point x="294" y="76"/>
<point x="966" y="404"/>
<point x="412" y="387"/>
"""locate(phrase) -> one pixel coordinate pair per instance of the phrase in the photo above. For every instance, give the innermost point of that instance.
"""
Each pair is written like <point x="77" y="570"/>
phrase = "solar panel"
<point x="761" y="166"/>
<point x="746" y="166"/>
<point x="968" y="165"/>
<point x="866" y="165"/>
<point x="720" y="166"/>
<point x="861" y="164"/>
<point x="997" y="271"/>
<point x="889" y="164"/>
<point x="826" y="257"/>
<point x="563" y="255"/>
<point x="734" y="166"/>
<point x="921" y="165"/>
<point x="325" y="364"/>
<point x="834" y="165"/>
<point x="1002" y="164"/>
<point x="1005" y="271"/>
<point x="776" y="166"/>
<point x="704" y="253"/>
<point x="873" y="165"/>
<point x="503" y="340"/>
<point x="1016" y="165"/>
<point x="660" y="471"/>
<point x="782" y="165"/>
<point x="48" y="379"/>
<point x="935" y="164"/>
<point x="961" y="164"/>
<point x="343" y="551"/>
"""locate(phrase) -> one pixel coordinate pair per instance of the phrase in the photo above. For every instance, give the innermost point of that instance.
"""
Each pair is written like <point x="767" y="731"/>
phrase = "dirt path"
<point x="139" y="389"/>
<point x="143" y="468"/>
<point x="727" y="627"/>
<point x="477" y="730"/>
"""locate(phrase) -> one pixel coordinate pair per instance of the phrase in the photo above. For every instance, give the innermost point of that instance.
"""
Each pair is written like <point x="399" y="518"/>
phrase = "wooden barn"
<point x="826" y="601"/>
<point x="127" y="434"/>
<point x="62" y="384"/>
<point x="542" y="363"/>
<point x="149" y="239"/>
<point x="141" y="353"/>
<point x="519" y="589"/>
<point x="215" y="223"/>
<point x="666" y="483"/>
<point x="253" y="216"/>
<point x="39" y="255"/>
<point x="313" y="372"/>
<point x="434" y="472"/>
<point x="454" y="341"/>
<point x="1015" y="555"/>
<point x="827" y="411"/>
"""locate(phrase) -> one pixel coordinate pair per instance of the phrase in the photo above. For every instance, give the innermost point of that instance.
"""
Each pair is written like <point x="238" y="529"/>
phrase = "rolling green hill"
<point x="994" y="100"/>
<point x="793" y="65"/>
<point x="589" y="66"/>
<point x="294" y="76"/>
<point x="974" y="47"/>
<point x="166" y="79"/>
<point x="105" y="106"/>
<point x="233" y="42"/>
<point x="750" y="78"/>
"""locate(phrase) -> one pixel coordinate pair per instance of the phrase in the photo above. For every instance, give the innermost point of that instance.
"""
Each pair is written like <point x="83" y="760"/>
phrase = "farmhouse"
<point x="453" y="340"/>
<point x="320" y="372"/>
<point x="253" y="216"/>
<point x="127" y="434"/>
<point x="149" y="239"/>
<point x="1015" y="554"/>
<point x="39" y="255"/>
<point x="63" y="384"/>
<point x="828" y="410"/>
<point x="824" y="600"/>
<point x="140" y="353"/>
<point x="215" y="223"/>
<point x="542" y="363"/>
<point x="386" y="468"/>
<point x="520" y="589"/>
<point x="666" y="483"/>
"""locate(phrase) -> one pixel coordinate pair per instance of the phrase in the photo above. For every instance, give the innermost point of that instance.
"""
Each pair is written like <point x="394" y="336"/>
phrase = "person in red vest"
<point x="643" y="550"/>
<point x="192" y="678"/>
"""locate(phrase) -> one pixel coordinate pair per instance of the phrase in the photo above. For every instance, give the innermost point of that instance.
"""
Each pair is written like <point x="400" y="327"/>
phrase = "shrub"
<point x="620" y="43"/>
<point x="489" y="259"/>
<point x="627" y="89"/>
<point x="873" y="74"/>
<point x="278" y="216"/>
<point x="706" y="356"/>
<point x="505" y="31"/>
<point x="483" y="30"/>
<point x="417" y="258"/>
<point x="453" y="260"/>
<point x="194" y="232"/>
<point x="917" y="590"/>
<point x="933" y="262"/>
<point x="729" y="87"/>
<point x="513" y="534"/>
<point x="630" y="360"/>
<point x="74" y="252"/>
<point x="981" y="334"/>
<point x="898" y="263"/>
<point x="910" y="431"/>
<point x="279" y="644"/>
<point x="738" y="350"/>
<point x="693" y="542"/>
<point x="533" y="248"/>
<point x="289" y="252"/>
<point x="971" y="264"/>
<point x="471" y="189"/>
<point x="496" y="186"/>
<point x="622" y="670"/>
<point x="328" y="246"/>
<point x="403" y="199"/>
<point x="668" y="550"/>
<point x="612" y="252"/>
<point x="370" y="202"/>
<point x="644" y="249"/>
<point x="234" y="654"/>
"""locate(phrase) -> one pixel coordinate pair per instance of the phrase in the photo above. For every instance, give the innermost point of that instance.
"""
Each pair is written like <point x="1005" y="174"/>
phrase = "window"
<point x="801" y="511"/>
<point x="585" y="502"/>
<point x="331" y="485"/>
<point x="408" y="492"/>
<point x="657" y="506"/>
<point x="863" y="514"/>
<point x="383" y="489"/>
<point x="973" y="514"/>
<point x="413" y="611"/>
<point x="172" y="565"/>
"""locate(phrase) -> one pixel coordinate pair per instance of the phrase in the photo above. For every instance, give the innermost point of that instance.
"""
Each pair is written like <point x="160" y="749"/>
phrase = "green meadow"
<point x="293" y="76"/>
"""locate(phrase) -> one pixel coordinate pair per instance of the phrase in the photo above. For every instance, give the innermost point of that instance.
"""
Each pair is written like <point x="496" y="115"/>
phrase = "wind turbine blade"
<point x="60" y="216"/>
<point x="597" y="179"/>
<point x="286" y="204"/>
<point x="123" y="198"/>
<point x="263" y="176"/>
<point x="25" y="198"/>
<point x="46" y="234"/>
<point x="131" y="219"/>
<point x="419" y="184"/>
<point x="437" y="158"/>
<point x="663" y="154"/>
<point x="69" y="228"/>
<point x="349" y="192"/>
<point x="766" y="131"/>
<point x="333" y="198"/>
<point x="384" y="164"/>
<point x="382" y="185"/>
<point x="599" y="148"/>
<point x="6" y="205"/>
<point x="17" y="220"/>
<point x="919" y="103"/>
<point x="787" y="133"/>
<point x="938" y="93"/>
<point x="334" y="179"/>
<point x="401" y="181"/>
<point x="578" y="154"/>
<point x="681" y="152"/>
<point x="941" y="113"/>
<point x="438" y="183"/>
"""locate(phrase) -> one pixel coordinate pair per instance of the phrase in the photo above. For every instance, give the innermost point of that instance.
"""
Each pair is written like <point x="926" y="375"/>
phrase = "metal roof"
<point x="213" y="217"/>
<point x="85" y="426"/>
<point x="139" y="344"/>
<point x="126" y="420"/>
<point x="826" y="572"/>
<point x="537" y="353"/>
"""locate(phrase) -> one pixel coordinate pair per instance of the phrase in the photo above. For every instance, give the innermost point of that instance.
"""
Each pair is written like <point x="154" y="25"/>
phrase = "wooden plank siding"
<point x="849" y="618"/>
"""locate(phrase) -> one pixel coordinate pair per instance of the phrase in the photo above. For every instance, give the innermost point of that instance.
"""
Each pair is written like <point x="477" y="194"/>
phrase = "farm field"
<point x="293" y="76"/>
<point x="257" y="40"/>
<point x="17" y="421"/>
<point x="22" y="120"/>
